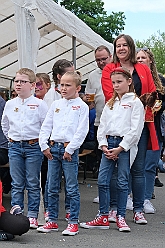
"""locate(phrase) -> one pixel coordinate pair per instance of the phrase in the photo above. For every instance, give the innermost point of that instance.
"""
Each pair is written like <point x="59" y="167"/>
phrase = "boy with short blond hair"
<point x="67" y="124"/>
<point x="21" y="122"/>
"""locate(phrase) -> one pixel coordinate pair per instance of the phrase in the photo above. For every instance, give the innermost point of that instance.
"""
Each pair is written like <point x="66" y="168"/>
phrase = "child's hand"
<point x="108" y="154"/>
<point x="113" y="153"/>
<point x="67" y="156"/>
<point x="104" y="149"/>
<point x="48" y="154"/>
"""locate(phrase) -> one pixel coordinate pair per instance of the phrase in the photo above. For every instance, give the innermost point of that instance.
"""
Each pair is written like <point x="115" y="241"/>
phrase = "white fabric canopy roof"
<point x="36" y="33"/>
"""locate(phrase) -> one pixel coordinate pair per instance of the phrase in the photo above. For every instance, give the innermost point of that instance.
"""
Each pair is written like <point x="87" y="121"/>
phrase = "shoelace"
<point x="97" y="220"/>
<point x="140" y="215"/>
<point x="48" y="224"/>
<point x="122" y="221"/>
<point x="113" y="213"/>
<point x="70" y="227"/>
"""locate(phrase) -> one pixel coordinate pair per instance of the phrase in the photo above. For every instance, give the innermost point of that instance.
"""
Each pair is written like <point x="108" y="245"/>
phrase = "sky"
<point x="143" y="17"/>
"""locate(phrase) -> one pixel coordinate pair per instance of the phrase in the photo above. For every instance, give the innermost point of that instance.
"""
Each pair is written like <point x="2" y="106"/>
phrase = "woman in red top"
<point x="125" y="56"/>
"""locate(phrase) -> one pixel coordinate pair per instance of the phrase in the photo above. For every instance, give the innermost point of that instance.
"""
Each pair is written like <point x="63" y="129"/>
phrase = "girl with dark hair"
<point x="59" y="68"/>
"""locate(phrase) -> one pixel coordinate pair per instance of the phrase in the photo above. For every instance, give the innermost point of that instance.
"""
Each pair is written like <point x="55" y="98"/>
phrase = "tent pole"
<point x="74" y="51"/>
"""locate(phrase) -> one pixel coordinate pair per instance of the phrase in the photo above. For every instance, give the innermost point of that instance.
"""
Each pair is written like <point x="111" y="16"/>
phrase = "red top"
<point x="147" y="84"/>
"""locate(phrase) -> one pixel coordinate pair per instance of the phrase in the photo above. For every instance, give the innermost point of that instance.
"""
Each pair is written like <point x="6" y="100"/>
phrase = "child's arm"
<point x="81" y="132"/>
<point x="101" y="133"/>
<point x="137" y="123"/>
<point x="5" y="122"/>
<point x="44" y="110"/>
<point x="46" y="129"/>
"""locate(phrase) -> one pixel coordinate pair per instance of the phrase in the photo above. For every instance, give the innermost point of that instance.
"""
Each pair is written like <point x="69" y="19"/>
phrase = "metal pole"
<point x="74" y="51"/>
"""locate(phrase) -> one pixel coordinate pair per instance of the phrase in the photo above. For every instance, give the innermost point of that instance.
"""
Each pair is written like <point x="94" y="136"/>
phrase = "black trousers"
<point x="14" y="224"/>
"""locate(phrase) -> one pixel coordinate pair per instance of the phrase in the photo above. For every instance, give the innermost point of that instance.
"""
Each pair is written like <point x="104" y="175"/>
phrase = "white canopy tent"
<point x="36" y="33"/>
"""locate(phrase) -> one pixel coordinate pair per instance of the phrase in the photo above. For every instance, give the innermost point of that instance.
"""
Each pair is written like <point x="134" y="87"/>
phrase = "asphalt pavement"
<point x="151" y="235"/>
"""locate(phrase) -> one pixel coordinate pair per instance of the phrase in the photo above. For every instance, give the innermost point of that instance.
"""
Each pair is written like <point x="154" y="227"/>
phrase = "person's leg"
<point x="33" y="156"/>
<point x="53" y="182"/>
<point x="113" y="189"/>
<point x="137" y="172"/>
<point x="17" y="172"/>
<point x="123" y="182"/>
<point x="70" y="170"/>
<point x="104" y="178"/>
<point x="151" y="161"/>
<point x="54" y="178"/>
<point x="14" y="224"/>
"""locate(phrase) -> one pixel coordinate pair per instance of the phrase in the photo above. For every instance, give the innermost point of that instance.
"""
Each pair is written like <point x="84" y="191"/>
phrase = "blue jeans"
<point x="161" y="166"/>
<point x="151" y="162"/>
<point x="67" y="199"/>
<point x="25" y="166"/>
<point x="138" y="170"/>
<point x="113" y="190"/>
<point x="70" y="170"/>
<point x="105" y="175"/>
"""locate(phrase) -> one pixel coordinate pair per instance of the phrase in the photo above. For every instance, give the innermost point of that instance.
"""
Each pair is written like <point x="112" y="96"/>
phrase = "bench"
<point x="85" y="154"/>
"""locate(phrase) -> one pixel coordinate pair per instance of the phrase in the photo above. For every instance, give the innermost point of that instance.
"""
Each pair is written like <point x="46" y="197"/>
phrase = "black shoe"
<point x="153" y="196"/>
<point x="6" y="236"/>
<point x="158" y="183"/>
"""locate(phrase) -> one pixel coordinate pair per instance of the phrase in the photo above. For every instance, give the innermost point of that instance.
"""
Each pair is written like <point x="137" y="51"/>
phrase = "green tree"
<point x="93" y="14"/>
<point x="156" y="43"/>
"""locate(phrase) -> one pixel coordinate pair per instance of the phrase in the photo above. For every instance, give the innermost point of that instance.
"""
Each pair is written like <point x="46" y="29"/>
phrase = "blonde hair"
<point x="126" y="73"/>
<point x="154" y="72"/>
<point x="76" y="75"/>
<point x="29" y="73"/>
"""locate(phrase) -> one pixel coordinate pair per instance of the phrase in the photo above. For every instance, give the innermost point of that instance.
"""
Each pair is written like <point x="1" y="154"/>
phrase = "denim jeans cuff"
<point x="32" y="214"/>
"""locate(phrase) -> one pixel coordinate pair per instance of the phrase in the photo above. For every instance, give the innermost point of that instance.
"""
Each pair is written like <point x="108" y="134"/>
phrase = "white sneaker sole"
<point x="124" y="229"/>
<point x="40" y="229"/>
<point x="142" y="222"/>
<point x="84" y="225"/>
<point x="65" y="232"/>
<point x="33" y="226"/>
<point x="112" y="220"/>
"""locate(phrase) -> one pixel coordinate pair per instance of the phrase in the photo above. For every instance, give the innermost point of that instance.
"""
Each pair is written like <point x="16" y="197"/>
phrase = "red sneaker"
<point x="139" y="218"/>
<point x="101" y="222"/>
<point x="112" y="216"/>
<point x="122" y="225"/>
<point x="67" y="216"/>
<point x="48" y="227"/>
<point x="33" y="222"/>
<point x="46" y="216"/>
<point x="72" y="229"/>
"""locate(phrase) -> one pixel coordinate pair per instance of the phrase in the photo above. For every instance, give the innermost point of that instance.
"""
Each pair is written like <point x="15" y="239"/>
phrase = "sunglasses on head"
<point x="142" y="49"/>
